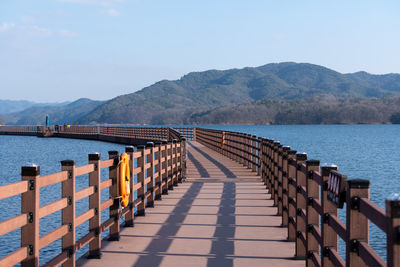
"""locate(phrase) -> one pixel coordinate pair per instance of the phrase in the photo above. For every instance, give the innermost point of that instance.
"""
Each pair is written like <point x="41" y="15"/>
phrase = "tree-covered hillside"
<point x="171" y="102"/>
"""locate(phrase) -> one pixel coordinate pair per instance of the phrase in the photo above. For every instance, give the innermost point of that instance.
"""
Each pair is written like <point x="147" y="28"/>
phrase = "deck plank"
<point x="222" y="215"/>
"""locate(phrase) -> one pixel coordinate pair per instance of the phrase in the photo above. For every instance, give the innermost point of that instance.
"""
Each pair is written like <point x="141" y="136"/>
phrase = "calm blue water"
<point x="361" y="151"/>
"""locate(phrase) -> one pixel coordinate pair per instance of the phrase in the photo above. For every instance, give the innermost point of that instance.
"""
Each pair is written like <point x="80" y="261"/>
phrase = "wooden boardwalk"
<point x="221" y="216"/>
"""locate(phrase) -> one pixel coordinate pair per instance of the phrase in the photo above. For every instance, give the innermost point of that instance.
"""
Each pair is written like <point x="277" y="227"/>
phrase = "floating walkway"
<point x="221" y="216"/>
<point x="228" y="199"/>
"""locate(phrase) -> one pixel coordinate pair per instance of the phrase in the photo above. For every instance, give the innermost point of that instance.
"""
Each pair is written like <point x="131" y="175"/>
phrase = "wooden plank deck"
<point x="221" y="216"/>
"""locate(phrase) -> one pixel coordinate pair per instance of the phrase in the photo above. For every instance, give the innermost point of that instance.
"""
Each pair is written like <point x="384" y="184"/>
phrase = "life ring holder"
<point x="124" y="180"/>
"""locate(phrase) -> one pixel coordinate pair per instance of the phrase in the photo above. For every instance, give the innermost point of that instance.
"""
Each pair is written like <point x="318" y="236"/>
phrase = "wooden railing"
<point x="159" y="166"/>
<point x="145" y="133"/>
<point x="307" y="197"/>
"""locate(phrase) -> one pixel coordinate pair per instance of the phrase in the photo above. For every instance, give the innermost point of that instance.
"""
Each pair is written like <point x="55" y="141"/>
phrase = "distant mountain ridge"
<point x="173" y="102"/>
<point x="58" y="114"/>
<point x="9" y="106"/>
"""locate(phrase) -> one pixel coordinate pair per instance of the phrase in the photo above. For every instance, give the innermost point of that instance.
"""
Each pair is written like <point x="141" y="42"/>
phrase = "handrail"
<point x="159" y="164"/>
<point x="299" y="189"/>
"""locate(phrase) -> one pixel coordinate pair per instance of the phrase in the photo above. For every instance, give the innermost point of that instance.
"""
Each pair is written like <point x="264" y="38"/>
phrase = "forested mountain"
<point x="318" y="110"/>
<point x="172" y="102"/>
<point x="58" y="114"/>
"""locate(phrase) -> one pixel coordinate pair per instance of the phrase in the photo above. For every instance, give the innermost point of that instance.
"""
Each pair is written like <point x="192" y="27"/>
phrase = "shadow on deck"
<point x="221" y="216"/>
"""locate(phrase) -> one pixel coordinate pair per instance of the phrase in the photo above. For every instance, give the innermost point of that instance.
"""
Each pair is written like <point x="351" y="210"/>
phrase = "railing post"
<point x="291" y="195"/>
<point x="356" y="223"/>
<point x="274" y="185"/>
<point x="183" y="158"/>
<point x="285" y="186"/>
<point x="174" y="163"/>
<point x="94" y="203"/>
<point x="300" y="207"/>
<point x="393" y="234"/>
<point x="30" y="206"/>
<point x="140" y="179"/>
<point x="164" y="171"/>
<point x="150" y="174"/>
<point x="254" y="153"/>
<point x="329" y="236"/>
<point x="113" y="191"/>
<point x="312" y="221"/>
<point x="281" y="162"/>
<point x="68" y="213"/>
<point x="158" y="170"/>
<point x="130" y="216"/>
<point x="259" y="155"/>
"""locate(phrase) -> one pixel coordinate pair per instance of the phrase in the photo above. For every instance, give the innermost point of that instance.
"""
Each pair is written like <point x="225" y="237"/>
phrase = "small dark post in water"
<point x="329" y="236"/>
<point x="356" y="223"/>
<point x="68" y="213"/>
<point x="129" y="217"/>
<point x="30" y="205"/>
<point x="140" y="180"/>
<point x="94" y="203"/>
<point x="113" y="175"/>
<point x="312" y="219"/>
<point x="393" y="235"/>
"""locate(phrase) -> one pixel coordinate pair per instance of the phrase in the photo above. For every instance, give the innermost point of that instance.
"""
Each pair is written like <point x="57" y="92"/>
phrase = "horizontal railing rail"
<point x="308" y="196"/>
<point x="157" y="167"/>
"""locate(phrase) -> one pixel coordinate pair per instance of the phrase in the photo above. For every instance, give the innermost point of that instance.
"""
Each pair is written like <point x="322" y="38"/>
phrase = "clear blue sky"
<point x="58" y="50"/>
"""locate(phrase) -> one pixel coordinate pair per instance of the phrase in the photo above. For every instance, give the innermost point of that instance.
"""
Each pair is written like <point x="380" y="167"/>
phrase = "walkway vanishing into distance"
<point x="222" y="215"/>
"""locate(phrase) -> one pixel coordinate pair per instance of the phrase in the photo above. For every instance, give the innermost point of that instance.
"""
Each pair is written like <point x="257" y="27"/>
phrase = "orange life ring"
<point x="124" y="180"/>
<point x="223" y="139"/>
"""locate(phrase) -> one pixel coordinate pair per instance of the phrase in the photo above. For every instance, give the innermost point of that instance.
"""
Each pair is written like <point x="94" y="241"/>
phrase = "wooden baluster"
<point x="165" y="166"/>
<point x="150" y="174"/>
<point x="313" y="191"/>
<point x="282" y="151"/>
<point x="30" y="206"/>
<point x="329" y="236"/>
<point x="174" y="162"/>
<point x="275" y="159"/>
<point x="113" y="192"/>
<point x="300" y="207"/>
<point x="356" y="223"/>
<point x="259" y="155"/>
<point x="158" y="169"/>
<point x="183" y="158"/>
<point x="68" y="213"/>
<point x="130" y="216"/>
<point x="284" y="188"/>
<point x="291" y="195"/>
<point x="94" y="203"/>
<point x="140" y="179"/>
<point x="393" y="234"/>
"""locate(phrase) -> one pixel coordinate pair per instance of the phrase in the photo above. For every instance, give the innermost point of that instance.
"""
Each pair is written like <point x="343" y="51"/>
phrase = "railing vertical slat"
<point x="140" y="179"/>
<point x="129" y="217"/>
<point x="313" y="191"/>
<point x="113" y="192"/>
<point x="300" y="206"/>
<point x="94" y="203"/>
<point x="356" y="223"/>
<point x="68" y="213"/>
<point x="30" y="205"/>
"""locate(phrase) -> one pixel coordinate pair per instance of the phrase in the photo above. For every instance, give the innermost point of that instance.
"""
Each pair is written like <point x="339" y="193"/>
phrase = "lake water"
<point x="361" y="151"/>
